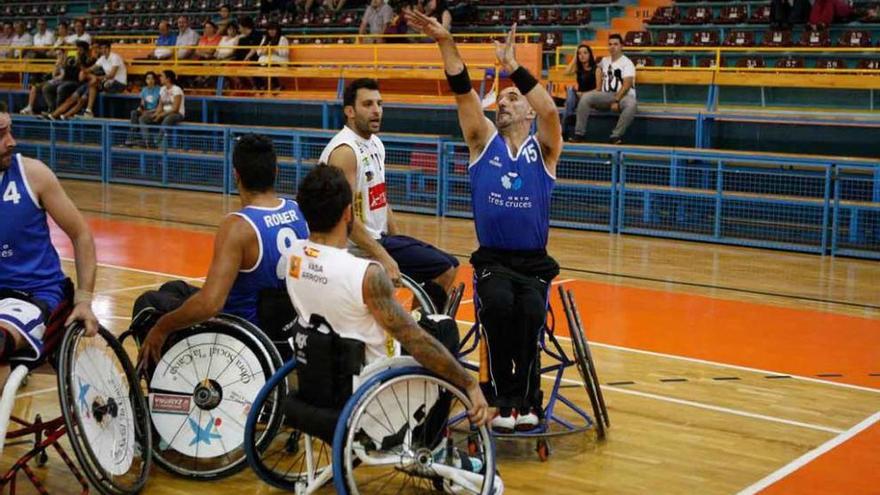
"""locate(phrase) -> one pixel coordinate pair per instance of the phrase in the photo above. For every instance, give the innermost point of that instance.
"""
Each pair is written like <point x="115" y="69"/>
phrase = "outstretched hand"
<point x="427" y="25"/>
<point x="506" y="52"/>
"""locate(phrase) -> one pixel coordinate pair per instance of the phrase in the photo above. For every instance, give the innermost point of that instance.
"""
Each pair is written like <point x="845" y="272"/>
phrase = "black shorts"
<point x="416" y="259"/>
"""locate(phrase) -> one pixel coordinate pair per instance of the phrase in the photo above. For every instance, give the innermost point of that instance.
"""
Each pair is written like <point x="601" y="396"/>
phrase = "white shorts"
<point x="27" y="319"/>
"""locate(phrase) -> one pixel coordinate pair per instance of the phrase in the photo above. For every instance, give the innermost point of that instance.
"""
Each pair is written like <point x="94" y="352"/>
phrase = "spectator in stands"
<point x="164" y="43"/>
<point x="186" y="37"/>
<point x="111" y="78"/>
<point x="208" y="42"/>
<point x="398" y="24"/>
<point x="377" y="18"/>
<point x="171" y="109"/>
<point x="20" y="39"/>
<point x="248" y="38"/>
<point x="37" y="93"/>
<point x="79" y="34"/>
<point x="224" y="18"/>
<point x="6" y="39"/>
<point x="61" y="33"/>
<point x="150" y="95"/>
<point x="274" y="48"/>
<point x="826" y="12"/>
<point x="44" y="38"/>
<point x="439" y="9"/>
<point x="786" y="13"/>
<point x="69" y="107"/>
<point x="226" y="49"/>
<point x="583" y="66"/>
<point x="615" y="81"/>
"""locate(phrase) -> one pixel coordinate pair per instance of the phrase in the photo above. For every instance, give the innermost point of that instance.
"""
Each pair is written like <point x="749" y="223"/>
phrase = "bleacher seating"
<point x="643" y="61"/>
<point x="664" y="16"/>
<point x="790" y="62"/>
<point x="670" y="38"/>
<point x="830" y="64"/>
<point x="732" y="14"/>
<point x="704" y="38"/>
<point x="637" y="38"/>
<point x="698" y="15"/>
<point x="577" y="17"/>
<point x="677" y="61"/>
<point x="855" y="39"/>
<point x="740" y="38"/>
<point x="815" y="39"/>
<point x="751" y="62"/>
<point x="776" y="38"/>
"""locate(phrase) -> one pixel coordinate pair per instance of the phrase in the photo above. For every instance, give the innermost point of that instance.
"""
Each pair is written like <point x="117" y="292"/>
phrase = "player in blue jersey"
<point x="31" y="280"/>
<point x="250" y="252"/>
<point x="512" y="173"/>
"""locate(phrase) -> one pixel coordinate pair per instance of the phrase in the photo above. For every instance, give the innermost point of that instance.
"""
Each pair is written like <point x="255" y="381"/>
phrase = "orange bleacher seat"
<point x="493" y="17"/>
<point x="704" y="38"/>
<point x="548" y="16"/>
<point x="643" y="61"/>
<point x="761" y="15"/>
<point x="776" y="38"/>
<point x="740" y="38"/>
<point x="855" y="39"/>
<point x="577" y="17"/>
<point x="677" y="61"/>
<point x="790" y="63"/>
<point x="819" y="39"/>
<point x="637" y="38"/>
<point x="752" y="62"/>
<point x="670" y="38"/>
<point x="522" y="16"/>
<point x="698" y="15"/>
<point x="732" y="14"/>
<point x="867" y="63"/>
<point x="830" y="64"/>
<point x="551" y="40"/>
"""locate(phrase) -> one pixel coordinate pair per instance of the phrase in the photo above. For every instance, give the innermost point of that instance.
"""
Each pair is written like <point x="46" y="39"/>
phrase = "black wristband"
<point x="460" y="84"/>
<point x="523" y="80"/>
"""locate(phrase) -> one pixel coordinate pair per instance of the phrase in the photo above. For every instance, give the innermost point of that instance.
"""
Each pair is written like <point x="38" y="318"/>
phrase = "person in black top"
<point x="583" y="67"/>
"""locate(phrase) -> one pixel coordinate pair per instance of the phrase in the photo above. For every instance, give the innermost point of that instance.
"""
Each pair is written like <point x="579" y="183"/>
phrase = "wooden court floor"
<point x="725" y="369"/>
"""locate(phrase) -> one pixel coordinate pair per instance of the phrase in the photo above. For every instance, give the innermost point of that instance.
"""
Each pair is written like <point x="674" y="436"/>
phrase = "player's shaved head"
<point x="513" y="110"/>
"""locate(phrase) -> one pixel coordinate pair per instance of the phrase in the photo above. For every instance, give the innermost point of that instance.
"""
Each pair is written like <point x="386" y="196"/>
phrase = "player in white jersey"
<point x="355" y="296"/>
<point x="361" y="155"/>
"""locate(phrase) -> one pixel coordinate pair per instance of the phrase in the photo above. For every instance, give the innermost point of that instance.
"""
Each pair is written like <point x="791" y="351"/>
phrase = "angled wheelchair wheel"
<point x="104" y="411"/>
<point x="585" y="364"/>
<point x="290" y="460"/>
<point x="406" y="431"/>
<point x="200" y="394"/>
<point x="412" y="296"/>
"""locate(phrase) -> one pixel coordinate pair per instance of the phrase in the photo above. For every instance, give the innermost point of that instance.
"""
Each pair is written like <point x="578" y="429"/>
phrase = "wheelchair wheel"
<point x="412" y="296"/>
<point x="201" y="392"/>
<point x="405" y="430"/>
<point x="585" y="364"/>
<point x="290" y="460"/>
<point x="104" y="411"/>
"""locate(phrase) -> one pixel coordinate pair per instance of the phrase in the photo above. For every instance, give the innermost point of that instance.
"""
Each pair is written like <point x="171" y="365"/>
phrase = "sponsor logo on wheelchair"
<point x="170" y="404"/>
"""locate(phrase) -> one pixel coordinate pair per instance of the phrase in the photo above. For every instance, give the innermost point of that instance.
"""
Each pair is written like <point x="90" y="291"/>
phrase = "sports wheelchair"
<point x="203" y="387"/>
<point x="385" y="427"/>
<point x="102" y="409"/>
<point x="552" y="423"/>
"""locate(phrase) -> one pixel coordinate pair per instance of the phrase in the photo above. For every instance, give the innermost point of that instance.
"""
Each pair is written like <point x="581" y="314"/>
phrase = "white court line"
<point x="715" y="363"/>
<point x="36" y="392"/>
<point x="138" y="270"/>
<point x="555" y="282"/>
<point x="810" y="456"/>
<point x="126" y="289"/>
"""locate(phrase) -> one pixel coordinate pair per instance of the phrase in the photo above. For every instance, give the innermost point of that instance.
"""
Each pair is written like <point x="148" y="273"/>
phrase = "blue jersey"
<point x="511" y="196"/>
<point x="277" y="229"/>
<point x="28" y="261"/>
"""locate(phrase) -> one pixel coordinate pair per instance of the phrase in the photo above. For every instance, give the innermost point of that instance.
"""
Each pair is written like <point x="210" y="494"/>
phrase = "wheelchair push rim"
<point x="412" y="296"/>
<point x="104" y="411"/>
<point x="200" y="394"/>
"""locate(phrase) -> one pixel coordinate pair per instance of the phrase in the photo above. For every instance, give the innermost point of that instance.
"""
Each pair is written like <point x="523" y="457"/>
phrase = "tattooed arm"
<point x="430" y="353"/>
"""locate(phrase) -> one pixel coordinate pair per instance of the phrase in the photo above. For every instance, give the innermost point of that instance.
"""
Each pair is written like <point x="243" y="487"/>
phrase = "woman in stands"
<point x="226" y="49"/>
<point x="274" y="47"/>
<point x="583" y="67"/>
<point x="208" y="42"/>
<point x="171" y="109"/>
<point x="439" y="9"/>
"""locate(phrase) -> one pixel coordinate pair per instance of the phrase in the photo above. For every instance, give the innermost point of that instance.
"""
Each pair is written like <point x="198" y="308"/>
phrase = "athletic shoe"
<point x="505" y="421"/>
<point x="577" y="138"/>
<point x="48" y="116"/>
<point x="87" y="115"/>
<point x="529" y="421"/>
<point x="26" y="111"/>
<point x="615" y="140"/>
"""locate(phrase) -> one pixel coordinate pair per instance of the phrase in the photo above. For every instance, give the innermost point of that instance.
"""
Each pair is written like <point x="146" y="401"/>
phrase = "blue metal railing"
<point x="811" y="204"/>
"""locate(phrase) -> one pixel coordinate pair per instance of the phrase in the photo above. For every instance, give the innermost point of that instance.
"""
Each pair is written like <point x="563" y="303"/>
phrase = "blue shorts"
<point x="416" y="259"/>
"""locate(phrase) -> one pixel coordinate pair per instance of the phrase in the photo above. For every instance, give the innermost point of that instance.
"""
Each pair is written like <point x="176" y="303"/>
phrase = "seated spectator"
<point x="71" y="106"/>
<point x="439" y="9"/>
<point x="56" y="95"/>
<point x="36" y="95"/>
<point x="786" y="13"/>
<point x="164" y="43"/>
<point x="583" y="66"/>
<point x="171" y="109"/>
<point x="186" y="38"/>
<point x="228" y="42"/>
<point x="248" y="38"/>
<point x="79" y="34"/>
<point x="615" y="81"/>
<point x="208" y="42"/>
<point x="44" y="38"/>
<point x="112" y="76"/>
<point x="377" y="18"/>
<point x="61" y="34"/>
<point x="224" y="18"/>
<point x="398" y="24"/>
<point x="150" y="95"/>
<point x="826" y="12"/>
<point x="20" y="39"/>
<point x="274" y="48"/>
<point x="6" y="39"/>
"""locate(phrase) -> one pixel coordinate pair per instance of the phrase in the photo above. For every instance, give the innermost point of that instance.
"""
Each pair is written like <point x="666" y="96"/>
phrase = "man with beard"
<point x="31" y="280"/>
<point x="512" y="173"/>
<point x="359" y="152"/>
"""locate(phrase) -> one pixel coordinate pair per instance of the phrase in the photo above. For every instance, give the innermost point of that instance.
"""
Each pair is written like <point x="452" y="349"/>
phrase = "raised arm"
<point x="430" y="353"/>
<point x="549" y="127"/>
<point x="475" y="126"/>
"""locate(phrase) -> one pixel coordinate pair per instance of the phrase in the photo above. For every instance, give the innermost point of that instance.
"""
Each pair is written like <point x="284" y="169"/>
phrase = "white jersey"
<point x="328" y="281"/>
<point x="370" y="199"/>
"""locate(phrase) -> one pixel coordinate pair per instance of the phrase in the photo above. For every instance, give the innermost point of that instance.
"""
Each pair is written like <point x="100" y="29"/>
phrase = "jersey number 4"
<point x="11" y="194"/>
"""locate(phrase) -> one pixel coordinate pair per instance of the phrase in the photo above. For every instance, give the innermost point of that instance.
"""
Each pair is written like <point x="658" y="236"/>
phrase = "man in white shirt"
<point x="44" y="38"/>
<point x="79" y="34"/>
<point x="21" y="38"/>
<point x="615" y="91"/>
<point x="377" y="17"/>
<point x="186" y="37"/>
<point x="114" y="78"/>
